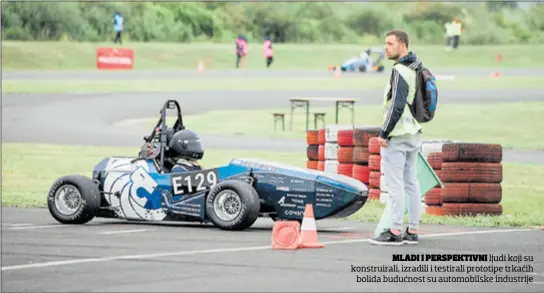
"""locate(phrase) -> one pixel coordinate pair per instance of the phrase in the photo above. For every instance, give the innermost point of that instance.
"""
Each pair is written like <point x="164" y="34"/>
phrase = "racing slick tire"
<point x="233" y="205"/>
<point x="73" y="199"/>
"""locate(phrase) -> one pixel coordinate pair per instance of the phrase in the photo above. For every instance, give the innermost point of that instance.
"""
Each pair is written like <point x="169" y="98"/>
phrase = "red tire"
<point x="362" y="135"/>
<point x="311" y="137"/>
<point x="321" y="136"/>
<point x="345" y="137"/>
<point x="361" y="173"/>
<point x="321" y="152"/>
<point x="374" y="194"/>
<point x="311" y="164"/>
<point x="472" y="193"/>
<point x="472" y="209"/>
<point x="312" y="152"/>
<point x="374" y="162"/>
<point x="321" y="165"/>
<point x="360" y="155"/>
<point x="345" y="155"/>
<point x="472" y="152"/>
<point x="374" y="181"/>
<point x="472" y="172"/>
<point x="434" y="210"/>
<point x="435" y="160"/>
<point x="433" y="197"/>
<point x="345" y="169"/>
<point x="374" y="146"/>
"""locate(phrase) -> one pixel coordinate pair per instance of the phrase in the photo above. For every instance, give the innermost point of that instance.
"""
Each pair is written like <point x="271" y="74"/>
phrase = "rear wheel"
<point x="233" y="205"/>
<point x="73" y="199"/>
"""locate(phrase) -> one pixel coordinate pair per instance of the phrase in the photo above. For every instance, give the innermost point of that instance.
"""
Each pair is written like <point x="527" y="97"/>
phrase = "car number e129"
<point x="187" y="183"/>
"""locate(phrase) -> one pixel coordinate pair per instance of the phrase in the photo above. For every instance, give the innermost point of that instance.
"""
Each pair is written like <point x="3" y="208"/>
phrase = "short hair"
<point x="400" y="34"/>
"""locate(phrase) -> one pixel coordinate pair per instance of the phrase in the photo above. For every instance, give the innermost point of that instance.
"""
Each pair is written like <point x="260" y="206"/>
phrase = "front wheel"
<point x="73" y="199"/>
<point x="233" y="205"/>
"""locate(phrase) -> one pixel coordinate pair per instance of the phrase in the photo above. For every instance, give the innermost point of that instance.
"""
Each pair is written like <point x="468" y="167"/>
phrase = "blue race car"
<point x="232" y="196"/>
<point x="364" y="62"/>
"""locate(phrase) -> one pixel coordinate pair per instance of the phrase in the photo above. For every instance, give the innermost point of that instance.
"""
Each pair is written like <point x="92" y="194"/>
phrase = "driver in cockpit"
<point x="184" y="151"/>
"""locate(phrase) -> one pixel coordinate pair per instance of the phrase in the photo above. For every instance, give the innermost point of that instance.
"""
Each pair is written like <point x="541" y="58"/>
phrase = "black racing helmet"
<point x="186" y="144"/>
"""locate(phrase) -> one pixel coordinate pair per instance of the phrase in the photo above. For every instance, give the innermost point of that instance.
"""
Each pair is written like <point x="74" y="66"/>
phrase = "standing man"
<point x="456" y="32"/>
<point x="268" y="51"/>
<point x="118" y="21"/>
<point x="400" y="141"/>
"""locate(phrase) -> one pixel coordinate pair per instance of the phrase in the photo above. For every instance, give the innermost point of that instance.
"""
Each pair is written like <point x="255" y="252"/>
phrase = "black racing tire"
<point x="381" y="68"/>
<point x="362" y="68"/>
<point x="87" y="199"/>
<point x="244" y="195"/>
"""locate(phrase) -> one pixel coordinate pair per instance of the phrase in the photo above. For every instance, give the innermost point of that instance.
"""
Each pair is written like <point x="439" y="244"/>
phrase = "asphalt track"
<point x="39" y="255"/>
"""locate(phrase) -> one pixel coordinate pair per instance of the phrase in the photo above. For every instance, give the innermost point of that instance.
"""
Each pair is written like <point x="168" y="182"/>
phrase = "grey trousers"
<point x="399" y="163"/>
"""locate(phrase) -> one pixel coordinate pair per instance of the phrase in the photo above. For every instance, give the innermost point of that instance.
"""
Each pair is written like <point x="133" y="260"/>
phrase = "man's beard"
<point x="394" y="57"/>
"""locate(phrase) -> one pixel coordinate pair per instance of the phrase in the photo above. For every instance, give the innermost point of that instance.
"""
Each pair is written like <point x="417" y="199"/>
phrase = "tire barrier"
<point x="313" y="150"/>
<point x="471" y="173"/>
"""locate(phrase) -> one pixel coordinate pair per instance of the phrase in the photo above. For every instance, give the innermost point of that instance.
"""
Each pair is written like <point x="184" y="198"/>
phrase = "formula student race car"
<point x="231" y="196"/>
<point x="364" y="62"/>
<point x="358" y="64"/>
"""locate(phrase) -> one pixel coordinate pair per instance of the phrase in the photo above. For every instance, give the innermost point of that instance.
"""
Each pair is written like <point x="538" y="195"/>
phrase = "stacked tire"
<point x="344" y="155"/>
<point x="331" y="147"/>
<point x="472" y="174"/>
<point x="433" y="198"/>
<point x="321" y="149"/>
<point x="361" y="154"/>
<point x="312" y="150"/>
<point x="377" y="187"/>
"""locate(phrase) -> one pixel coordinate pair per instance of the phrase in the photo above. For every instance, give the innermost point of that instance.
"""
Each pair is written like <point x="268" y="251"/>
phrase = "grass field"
<point x="19" y="55"/>
<point x="25" y="185"/>
<point x="242" y="84"/>
<point x="515" y="125"/>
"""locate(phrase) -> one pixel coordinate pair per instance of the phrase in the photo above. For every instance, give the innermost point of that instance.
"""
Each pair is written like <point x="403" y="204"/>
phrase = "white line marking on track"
<point x="17" y="225"/>
<point x="121" y="231"/>
<point x="40" y="227"/>
<point x="345" y="228"/>
<point x="209" y="251"/>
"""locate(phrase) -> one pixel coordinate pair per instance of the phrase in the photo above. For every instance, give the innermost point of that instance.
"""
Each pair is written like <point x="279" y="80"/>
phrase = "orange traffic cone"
<point x="337" y="71"/>
<point x="285" y="235"/>
<point x="308" y="233"/>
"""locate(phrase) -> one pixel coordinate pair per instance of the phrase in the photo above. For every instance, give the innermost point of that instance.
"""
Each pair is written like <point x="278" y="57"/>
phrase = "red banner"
<point x="113" y="58"/>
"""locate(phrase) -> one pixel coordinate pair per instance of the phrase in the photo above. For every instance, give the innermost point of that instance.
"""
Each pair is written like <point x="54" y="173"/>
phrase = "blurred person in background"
<point x="456" y="28"/>
<point x="241" y="51"/>
<point x="448" y="28"/>
<point x="268" y="51"/>
<point x="118" y="21"/>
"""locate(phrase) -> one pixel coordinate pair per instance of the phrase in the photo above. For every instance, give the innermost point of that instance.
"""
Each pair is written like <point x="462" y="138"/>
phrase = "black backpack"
<point x="425" y="101"/>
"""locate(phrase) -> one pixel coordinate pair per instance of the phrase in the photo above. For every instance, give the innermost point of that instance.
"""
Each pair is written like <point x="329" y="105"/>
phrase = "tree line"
<point x="285" y="22"/>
